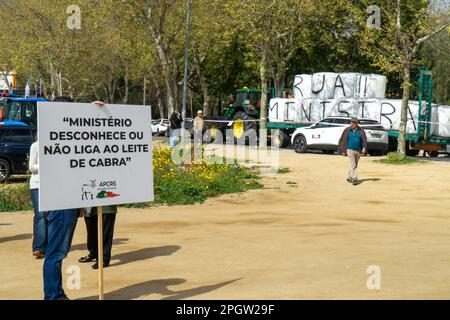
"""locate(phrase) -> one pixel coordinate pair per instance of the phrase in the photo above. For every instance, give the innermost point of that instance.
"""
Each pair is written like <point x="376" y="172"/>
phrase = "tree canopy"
<point x="131" y="51"/>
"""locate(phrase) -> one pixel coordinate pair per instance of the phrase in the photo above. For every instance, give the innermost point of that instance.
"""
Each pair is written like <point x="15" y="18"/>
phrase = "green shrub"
<point x="15" y="197"/>
<point x="283" y="170"/>
<point x="398" y="158"/>
<point x="178" y="184"/>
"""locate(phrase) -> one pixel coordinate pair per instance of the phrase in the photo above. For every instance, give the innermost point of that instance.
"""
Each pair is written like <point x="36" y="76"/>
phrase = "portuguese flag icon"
<point x="107" y="194"/>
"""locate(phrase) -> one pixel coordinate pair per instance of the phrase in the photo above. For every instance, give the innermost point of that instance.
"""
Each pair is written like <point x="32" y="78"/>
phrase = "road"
<point x="308" y="235"/>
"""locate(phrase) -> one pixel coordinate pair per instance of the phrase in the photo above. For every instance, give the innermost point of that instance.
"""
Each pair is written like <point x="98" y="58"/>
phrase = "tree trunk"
<point x="144" y="93"/>
<point x="60" y="90"/>
<point x="44" y="91"/>
<point x="52" y="82"/>
<point x="111" y="89"/>
<point x="160" y="106"/>
<point x="169" y="77"/>
<point x="174" y="73"/>
<point x="158" y="98"/>
<point x="192" y="103"/>
<point x="127" y="88"/>
<point x="263" y="123"/>
<point x="404" y="110"/>
<point x="168" y="63"/>
<point x="174" y="89"/>
<point x="279" y="83"/>
<point x="206" y="96"/>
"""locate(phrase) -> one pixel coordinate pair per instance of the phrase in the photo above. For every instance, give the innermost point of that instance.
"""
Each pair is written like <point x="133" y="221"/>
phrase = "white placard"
<point x="92" y="156"/>
<point x="329" y="85"/>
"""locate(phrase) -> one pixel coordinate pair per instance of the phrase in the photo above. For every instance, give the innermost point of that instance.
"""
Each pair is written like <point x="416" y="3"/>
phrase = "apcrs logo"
<point x="102" y="190"/>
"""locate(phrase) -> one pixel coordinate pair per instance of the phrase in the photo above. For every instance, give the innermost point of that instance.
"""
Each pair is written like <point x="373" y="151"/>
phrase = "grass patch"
<point x="283" y="170"/>
<point x="15" y="197"/>
<point x="397" y="159"/>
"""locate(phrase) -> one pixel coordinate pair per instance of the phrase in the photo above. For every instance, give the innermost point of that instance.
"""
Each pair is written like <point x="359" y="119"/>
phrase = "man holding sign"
<point x="93" y="157"/>
<point x="60" y="229"/>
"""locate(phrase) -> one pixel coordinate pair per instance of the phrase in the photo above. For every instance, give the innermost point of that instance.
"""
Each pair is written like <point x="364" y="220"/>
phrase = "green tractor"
<point x="244" y="111"/>
<point x="241" y="112"/>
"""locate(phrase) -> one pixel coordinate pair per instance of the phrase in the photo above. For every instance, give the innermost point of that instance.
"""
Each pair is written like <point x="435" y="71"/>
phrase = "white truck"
<point x="327" y="94"/>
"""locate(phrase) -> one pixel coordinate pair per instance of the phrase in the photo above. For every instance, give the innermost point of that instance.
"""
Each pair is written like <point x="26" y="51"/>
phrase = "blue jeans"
<point x="61" y="227"/>
<point x="39" y="224"/>
<point x="173" y="139"/>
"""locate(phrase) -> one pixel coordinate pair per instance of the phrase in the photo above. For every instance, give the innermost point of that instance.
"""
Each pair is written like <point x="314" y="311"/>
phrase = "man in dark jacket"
<point x="352" y="144"/>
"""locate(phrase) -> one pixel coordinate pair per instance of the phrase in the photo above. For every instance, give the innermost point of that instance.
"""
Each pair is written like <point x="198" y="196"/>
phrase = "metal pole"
<point x="186" y="65"/>
<point x="100" y="253"/>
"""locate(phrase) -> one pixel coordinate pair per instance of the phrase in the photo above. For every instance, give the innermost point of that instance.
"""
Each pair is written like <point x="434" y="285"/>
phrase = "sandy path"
<point x="307" y="241"/>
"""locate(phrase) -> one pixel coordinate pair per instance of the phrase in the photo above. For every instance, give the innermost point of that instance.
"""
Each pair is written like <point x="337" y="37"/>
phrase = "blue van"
<point x="19" y="111"/>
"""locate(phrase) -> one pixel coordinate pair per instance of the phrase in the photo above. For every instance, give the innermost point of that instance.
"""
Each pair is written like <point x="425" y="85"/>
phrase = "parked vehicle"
<point x="325" y="134"/>
<point x="15" y="143"/>
<point x="15" y="111"/>
<point x="160" y="127"/>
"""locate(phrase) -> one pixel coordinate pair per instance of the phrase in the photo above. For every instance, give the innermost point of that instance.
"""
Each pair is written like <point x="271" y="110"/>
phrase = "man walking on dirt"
<point x="352" y="144"/>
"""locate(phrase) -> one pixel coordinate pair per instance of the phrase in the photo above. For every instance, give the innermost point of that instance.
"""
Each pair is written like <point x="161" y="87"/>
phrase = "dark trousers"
<point x="109" y="220"/>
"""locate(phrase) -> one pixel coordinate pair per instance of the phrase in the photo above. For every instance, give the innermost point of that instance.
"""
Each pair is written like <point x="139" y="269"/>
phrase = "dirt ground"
<point x="310" y="240"/>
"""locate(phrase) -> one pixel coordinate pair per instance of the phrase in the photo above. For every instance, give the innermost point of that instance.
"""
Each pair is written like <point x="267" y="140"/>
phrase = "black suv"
<point x="15" y="143"/>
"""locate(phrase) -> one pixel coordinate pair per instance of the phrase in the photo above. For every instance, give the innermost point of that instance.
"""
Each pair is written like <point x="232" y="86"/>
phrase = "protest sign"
<point x="91" y="156"/>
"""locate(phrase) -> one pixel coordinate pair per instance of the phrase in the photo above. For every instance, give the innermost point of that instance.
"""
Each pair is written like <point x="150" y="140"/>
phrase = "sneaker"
<point x="349" y="180"/>
<point x="355" y="182"/>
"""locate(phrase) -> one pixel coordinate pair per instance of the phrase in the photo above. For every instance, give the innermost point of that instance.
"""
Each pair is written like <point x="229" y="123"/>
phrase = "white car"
<point x="325" y="134"/>
<point x="160" y="127"/>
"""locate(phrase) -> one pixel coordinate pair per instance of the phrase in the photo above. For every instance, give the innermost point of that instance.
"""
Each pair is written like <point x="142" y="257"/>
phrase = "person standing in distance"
<point x="199" y="126"/>
<point x="353" y="144"/>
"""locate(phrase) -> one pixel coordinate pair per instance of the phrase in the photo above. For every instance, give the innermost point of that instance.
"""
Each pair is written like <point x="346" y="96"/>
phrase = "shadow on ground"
<point x="143" y="254"/>
<point x="18" y="237"/>
<point x="368" y="180"/>
<point x="160" y="287"/>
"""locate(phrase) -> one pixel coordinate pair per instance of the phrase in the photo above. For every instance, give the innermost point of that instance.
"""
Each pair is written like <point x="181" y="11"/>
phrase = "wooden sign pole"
<point x="100" y="252"/>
